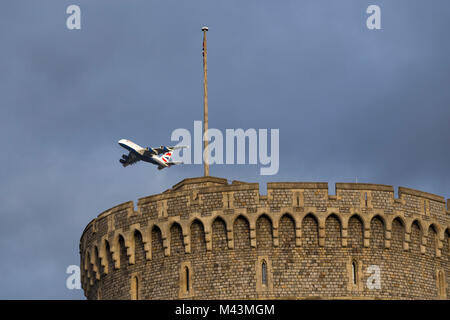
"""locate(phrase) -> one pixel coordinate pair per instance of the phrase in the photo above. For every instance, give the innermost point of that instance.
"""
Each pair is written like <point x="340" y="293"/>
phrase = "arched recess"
<point x="264" y="232"/>
<point x="446" y="245"/>
<point x="432" y="240"/>
<point x="441" y="283"/>
<point x="310" y="231"/>
<point x="157" y="243"/>
<point x="286" y="231"/>
<point x="241" y="233"/>
<point x="135" y="288"/>
<point x="355" y="232"/>
<point x="397" y="234"/>
<point x="333" y="238"/>
<point x="377" y="232"/>
<point x="119" y="250"/>
<point x="98" y="264"/>
<point x="415" y="237"/>
<point x="122" y="251"/>
<point x="198" y="241"/>
<point x="109" y="260"/>
<point x="219" y="235"/>
<point x="88" y="268"/>
<point x="176" y="240"/>
<point x="139" y="247"/>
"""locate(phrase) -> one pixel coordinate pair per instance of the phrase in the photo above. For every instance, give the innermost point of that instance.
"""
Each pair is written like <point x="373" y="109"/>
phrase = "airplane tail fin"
<point x="167" y="156"/>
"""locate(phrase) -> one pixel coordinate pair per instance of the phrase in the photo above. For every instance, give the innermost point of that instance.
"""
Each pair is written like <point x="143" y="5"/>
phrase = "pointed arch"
<point x="265" y="215"/>
<point x="398" y="233"/>
<point x="219" y="234"/>
<point x="446" y="244"/>
<point x="135" y="288"/>
<point x="118" y="249"/>
<point x="333" y="231"/>
<point x="433" y="226"/>
<point x="241" y="233"/>
<point x="415" y="237"/>
<point x="264" y="231"/>
<point x="355" y="231"/>
<point x="139" y="250"/>
<point x="176" y="239"/>
<point x="377" y="232"/>
<point x="310" y="230"/>
<point x="122" y="250"/>
<point x="198" y="241"/>
<point x="399" y="219"/>
<point x="418" y="224"/>
<point x="286" y="227"/>
<point x="157" y="243"/>
<point x="360" y="218"/>
<point x="109" y="256"/>
<point x="432" y="240"/>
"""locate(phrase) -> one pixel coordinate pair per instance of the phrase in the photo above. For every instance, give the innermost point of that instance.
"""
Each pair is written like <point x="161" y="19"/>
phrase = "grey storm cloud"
<point x="350" y="103"/>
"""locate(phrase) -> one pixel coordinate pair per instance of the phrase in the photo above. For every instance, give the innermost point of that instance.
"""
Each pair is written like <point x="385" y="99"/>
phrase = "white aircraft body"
<point x="158" y="156"/>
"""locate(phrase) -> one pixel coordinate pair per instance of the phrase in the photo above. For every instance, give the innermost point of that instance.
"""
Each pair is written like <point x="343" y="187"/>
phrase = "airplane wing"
<point x="156" y="151"/>
<point x="151" y="151"/>
<point x="132" y="158"/>
<point x="163" y="149"/>
<point x="169" y="164"/>
<point x="172" y="163"/>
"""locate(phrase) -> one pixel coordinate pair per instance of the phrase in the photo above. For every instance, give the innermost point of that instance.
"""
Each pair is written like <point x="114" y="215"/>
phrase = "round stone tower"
<point x="207" y="239"/>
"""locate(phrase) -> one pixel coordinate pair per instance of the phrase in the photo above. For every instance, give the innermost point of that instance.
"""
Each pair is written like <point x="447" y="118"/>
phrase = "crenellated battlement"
<point x="185" y="219"/>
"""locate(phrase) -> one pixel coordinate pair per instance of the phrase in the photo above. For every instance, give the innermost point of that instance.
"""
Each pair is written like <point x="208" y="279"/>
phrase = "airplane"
<point x="151" y="155"/>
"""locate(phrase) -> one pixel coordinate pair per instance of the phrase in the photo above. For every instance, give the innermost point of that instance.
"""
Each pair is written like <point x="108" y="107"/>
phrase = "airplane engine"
<point x="125" y="157"/>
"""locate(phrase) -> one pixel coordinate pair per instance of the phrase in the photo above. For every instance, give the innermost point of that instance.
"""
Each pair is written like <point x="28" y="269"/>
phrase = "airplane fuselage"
<point x="140" y="152"/>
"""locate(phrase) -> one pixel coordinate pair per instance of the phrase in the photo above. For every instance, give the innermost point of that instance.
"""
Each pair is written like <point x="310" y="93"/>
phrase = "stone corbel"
<point x="94" y="264"/>
<point x="252" y="234"/>
<point x="407" y="240"/>
<point x="230" y="238"/>
<point x="423" y="244"/>
<point x="298" y="236"/>
<point x="366" y="238"/>
<point x="186" y="242"/>
<point x="130" y="246"/>
<point x="208" y="238"/>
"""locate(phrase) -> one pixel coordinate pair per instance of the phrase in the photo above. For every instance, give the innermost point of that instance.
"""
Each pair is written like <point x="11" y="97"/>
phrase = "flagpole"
<point x="205" y="106"/>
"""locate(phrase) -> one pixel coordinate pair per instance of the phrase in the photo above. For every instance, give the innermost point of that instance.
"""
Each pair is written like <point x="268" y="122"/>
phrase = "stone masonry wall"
<point x="207" y="239"/>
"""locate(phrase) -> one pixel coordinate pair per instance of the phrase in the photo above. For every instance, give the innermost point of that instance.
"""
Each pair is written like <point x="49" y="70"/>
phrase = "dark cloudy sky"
<point x="350" y="104"/>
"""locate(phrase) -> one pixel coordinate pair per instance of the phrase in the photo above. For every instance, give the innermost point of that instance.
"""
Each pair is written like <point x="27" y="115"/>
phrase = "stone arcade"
<point x="206" y="238"/>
